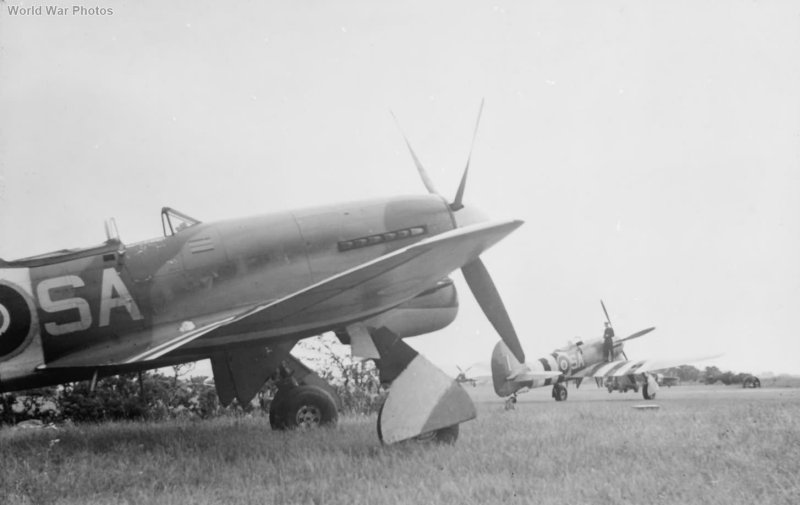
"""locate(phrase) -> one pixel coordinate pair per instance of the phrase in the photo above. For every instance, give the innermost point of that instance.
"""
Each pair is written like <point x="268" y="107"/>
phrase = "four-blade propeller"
<point x="637" y="334"/>
<point x="618" y="342"/>
<point x="608" y="319"/>
<point x="475" y="273"/>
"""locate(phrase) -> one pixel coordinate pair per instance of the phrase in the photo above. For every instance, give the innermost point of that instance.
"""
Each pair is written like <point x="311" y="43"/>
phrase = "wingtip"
<point x="511" y="224"/>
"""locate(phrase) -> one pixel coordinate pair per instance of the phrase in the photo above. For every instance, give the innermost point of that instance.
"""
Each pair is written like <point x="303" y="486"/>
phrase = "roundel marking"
<point x="15" y="320"/>
<point x="5" y="319"/>
<point x="563" y="363"/>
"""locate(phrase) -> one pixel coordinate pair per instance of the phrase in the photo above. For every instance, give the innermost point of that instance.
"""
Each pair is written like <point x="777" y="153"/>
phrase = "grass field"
<point x="704" y="445"/>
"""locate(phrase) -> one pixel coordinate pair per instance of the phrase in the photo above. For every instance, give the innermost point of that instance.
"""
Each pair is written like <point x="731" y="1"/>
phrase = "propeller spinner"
<point x="475" y="272"/>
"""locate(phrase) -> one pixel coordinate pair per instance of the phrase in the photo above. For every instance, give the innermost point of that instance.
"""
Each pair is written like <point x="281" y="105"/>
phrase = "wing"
<point x="631" y="367"/>
<point x="363" y="290"/>
<point x="529" y="375"/>
<point x="145" y="345"/>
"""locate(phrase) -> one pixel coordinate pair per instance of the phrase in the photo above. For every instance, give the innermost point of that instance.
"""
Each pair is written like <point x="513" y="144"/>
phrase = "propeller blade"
<point x="457" y="205"/>
<point x="606" y="313"/>
<point x="637" y="334"/>
<point x="482" y="287"/>
<point x="422" y="172"/>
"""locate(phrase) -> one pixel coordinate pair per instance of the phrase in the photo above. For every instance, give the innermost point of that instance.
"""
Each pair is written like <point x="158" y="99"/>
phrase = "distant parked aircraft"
<point x="577" y="361"/>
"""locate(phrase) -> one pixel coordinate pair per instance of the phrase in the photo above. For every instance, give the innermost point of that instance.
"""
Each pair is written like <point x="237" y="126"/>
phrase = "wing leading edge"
<point x="368" y="288"/>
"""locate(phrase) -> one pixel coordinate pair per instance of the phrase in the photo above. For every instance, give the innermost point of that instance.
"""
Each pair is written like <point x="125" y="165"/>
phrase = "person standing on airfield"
<point x="608" y="343"/>
<point x="580" y="362"/>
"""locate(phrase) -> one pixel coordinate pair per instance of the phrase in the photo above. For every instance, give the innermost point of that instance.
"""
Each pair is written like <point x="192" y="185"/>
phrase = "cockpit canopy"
<point x="173" y="221"/>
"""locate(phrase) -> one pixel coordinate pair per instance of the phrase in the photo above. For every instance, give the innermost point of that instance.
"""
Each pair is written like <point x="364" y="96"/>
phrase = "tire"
<point x="560" y="393"/>
<point x="646" y="395"/>
<point x="306" y="407"/>
<point x="510" y="403"/>
<point x="751" y="382"/>
<point x="447" y="435"/>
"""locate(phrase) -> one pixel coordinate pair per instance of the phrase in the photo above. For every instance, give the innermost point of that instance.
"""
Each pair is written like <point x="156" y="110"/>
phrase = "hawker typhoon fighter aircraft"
<point x="462" y="378"/>
<point x="243" y="292"/>
<point x="576" y="361"/>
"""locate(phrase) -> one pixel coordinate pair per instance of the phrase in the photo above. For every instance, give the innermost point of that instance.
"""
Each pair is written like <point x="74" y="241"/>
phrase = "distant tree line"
<point x="711" y="375"/>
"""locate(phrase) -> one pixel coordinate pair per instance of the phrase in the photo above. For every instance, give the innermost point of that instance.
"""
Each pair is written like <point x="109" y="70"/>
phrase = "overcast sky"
<point x="652" y="148"/>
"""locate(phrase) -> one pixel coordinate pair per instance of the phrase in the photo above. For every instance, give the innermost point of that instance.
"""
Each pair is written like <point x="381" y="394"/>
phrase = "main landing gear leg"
<point x="650" y="387"/>
<point x="559" y="392"/>
<point x="303" y="398"/>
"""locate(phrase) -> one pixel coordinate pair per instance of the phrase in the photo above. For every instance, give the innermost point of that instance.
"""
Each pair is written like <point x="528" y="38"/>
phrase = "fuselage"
<point x="572" y="358"/>
<point x="76" y="300"/>
<point x="510" y="376"/>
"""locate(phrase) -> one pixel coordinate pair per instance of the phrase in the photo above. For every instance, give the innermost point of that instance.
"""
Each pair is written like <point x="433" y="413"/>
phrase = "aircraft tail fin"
<point x="504" y="367"/>
<point x="510" y="376"/>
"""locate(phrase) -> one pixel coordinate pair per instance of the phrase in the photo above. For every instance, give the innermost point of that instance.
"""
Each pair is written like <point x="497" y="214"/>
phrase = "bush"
<point x="35" y="404"/>
<point x="120" y="397"/>
<point x="359" y="388"/>
<point x="357" y="382"/>
<point x="114" y="398"/>
<point x="160" y="396"/>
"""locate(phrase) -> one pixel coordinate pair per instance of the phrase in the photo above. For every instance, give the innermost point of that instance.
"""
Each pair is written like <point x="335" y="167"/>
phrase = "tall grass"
<point x="727" y="449"/>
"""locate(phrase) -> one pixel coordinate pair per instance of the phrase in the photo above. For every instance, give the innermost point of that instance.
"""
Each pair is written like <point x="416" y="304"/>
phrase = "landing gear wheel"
<point x="302" y="407"/>
<point x="751" y="382"/>
<point x="511" y="402"/>
<point x="446" y="435"/>
<point x="646" y="394"/>
<point x="559" y="392"/>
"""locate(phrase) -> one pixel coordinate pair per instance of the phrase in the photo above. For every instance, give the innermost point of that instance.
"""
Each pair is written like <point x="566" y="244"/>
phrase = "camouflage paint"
<point x="94" y="298"/>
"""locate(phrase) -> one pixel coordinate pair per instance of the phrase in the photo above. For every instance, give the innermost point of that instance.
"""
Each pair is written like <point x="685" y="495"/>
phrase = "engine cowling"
<point x="428" y="312"/>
